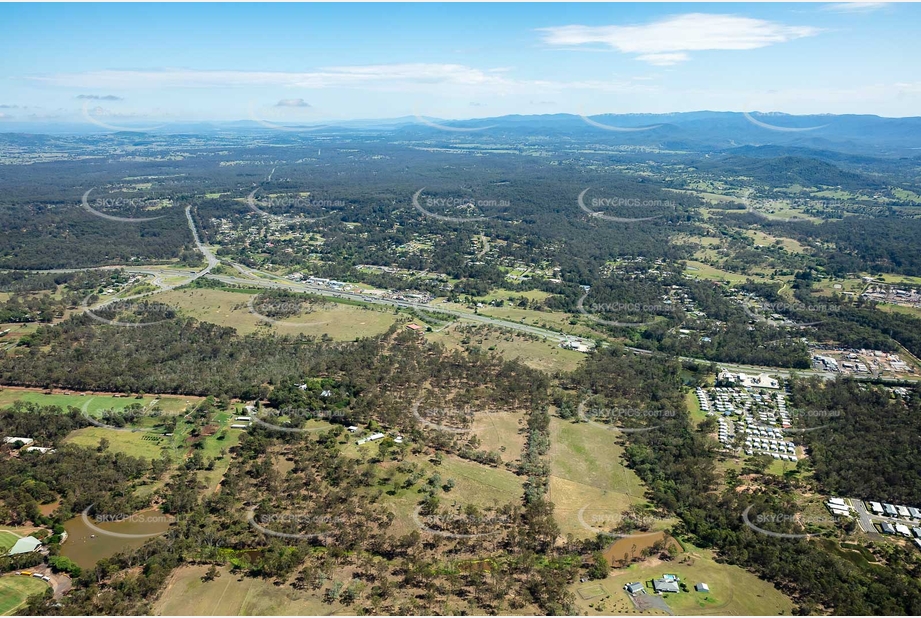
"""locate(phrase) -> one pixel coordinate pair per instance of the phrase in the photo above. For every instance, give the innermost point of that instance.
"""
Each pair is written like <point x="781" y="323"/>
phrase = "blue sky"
<point x="135" y="64"/>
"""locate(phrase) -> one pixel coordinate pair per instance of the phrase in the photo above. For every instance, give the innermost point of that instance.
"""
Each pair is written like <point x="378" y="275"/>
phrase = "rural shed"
<point x="702" y="587"/>
<point x="24" y="545"/>
<point x="635" y="588"/>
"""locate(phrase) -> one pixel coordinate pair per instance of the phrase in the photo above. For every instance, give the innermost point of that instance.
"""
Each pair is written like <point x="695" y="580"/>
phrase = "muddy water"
<point x="627" y="548"/>
<point x="86" y="546"/>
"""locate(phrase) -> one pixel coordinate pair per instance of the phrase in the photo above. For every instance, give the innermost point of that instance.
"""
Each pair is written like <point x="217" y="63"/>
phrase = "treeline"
<point x="377" y="377"/>
<point x="77" y="476"/>
<point x="865" y="439"/>
<point x="861" y="244"/>
<point x="677" y="464"/>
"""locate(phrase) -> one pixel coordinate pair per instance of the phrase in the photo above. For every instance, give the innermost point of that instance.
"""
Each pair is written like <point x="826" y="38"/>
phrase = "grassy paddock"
<point x="733" y="590"/>
<point x="186" y="594"/>
<point x="338" y="320"/>
<point x="588" y="478"/>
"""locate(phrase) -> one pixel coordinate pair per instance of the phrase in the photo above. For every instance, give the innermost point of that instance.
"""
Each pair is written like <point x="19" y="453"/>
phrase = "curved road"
<point x="256" y="278"/>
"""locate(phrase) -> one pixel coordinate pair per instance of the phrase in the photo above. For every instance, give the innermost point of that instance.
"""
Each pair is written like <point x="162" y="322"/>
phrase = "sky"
<point x="144" y="65"/>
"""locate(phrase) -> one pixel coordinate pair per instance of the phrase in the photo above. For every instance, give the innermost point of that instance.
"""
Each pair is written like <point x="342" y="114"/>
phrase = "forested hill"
<point x="789" y="170"/>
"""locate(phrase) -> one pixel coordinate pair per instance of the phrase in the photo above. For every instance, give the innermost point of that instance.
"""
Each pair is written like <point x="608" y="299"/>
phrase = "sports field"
<point x="7" y="540"/>
<point x="15" y="591"/>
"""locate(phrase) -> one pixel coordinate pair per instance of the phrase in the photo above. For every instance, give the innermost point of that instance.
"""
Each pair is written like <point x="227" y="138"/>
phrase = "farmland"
<point x="186" y="594"/>
<point x="733" y="591"/>
<point x="337" y="320"/>
<point x="589" y="484"/>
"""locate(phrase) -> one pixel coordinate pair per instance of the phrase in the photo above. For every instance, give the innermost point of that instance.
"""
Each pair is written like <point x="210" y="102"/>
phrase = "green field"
<point x="340" y="321"/>
<point x="502" y="432"/>
<point x="95" y="404"/>
<point x="733" y="590"/>
<point x="788" y="244"/>
<point x="700" y="270"/>
<point x="128" y="442"/>
<point x="15" y="591"/>
<point x="588" y="478"/>
<point x="475" y="483"/>
<point x="533" y="352"/>
<point x="7" y="540"/>
<point x="693" y="405"/>
<point x="186" y="594"/>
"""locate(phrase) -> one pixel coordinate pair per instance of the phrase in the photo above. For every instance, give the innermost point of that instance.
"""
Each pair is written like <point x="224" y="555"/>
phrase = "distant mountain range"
<point x="691" y="131"/>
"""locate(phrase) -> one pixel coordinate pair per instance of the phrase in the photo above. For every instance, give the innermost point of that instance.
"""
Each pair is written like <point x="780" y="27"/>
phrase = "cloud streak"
<point x="668" y="41"/>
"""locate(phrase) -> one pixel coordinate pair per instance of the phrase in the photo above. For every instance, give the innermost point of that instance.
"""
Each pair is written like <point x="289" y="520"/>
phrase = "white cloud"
<point x="668" y="40"/>
<point x="664" y="60"/>
<point x="855" y="7"/>
<point x="432" y="79"/>
<point x="342" y="76"/>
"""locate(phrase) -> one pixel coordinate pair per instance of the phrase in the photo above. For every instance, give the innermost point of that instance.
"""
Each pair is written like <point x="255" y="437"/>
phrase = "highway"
<point x="256" y="278"/>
